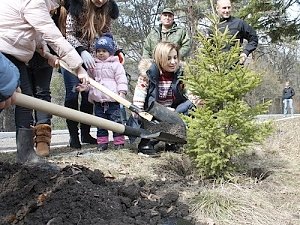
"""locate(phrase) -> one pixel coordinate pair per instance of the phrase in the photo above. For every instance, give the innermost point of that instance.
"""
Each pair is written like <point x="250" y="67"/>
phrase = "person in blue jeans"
<point x="82" y="27"/>
<point x="287" y="98"/>
<point x="9" y="82"/>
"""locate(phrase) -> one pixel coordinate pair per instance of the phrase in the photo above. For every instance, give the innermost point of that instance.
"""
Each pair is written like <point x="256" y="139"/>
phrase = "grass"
<point x="265" y="192"/>
<point x="274" y="200"/>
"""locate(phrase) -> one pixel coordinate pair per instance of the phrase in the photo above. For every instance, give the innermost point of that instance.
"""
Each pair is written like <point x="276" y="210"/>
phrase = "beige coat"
<point x="24" y="23"/>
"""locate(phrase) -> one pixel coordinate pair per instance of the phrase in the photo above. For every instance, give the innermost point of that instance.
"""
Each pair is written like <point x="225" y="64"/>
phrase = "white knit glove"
<point x="88" y="60"/>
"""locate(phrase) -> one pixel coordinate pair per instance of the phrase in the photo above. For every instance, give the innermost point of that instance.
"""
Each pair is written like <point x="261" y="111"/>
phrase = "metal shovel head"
<point x="169" y="121"/>
<point x="162" y="113"/>
<point x="165" y="137"/>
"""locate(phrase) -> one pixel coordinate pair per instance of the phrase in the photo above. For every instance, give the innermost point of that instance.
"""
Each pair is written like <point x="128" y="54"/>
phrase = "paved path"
<point x="60" y="138"/>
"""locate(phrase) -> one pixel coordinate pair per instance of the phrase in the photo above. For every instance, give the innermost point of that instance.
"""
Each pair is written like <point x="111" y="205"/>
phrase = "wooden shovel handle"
<point x="64" y="112"/>
<point x="113" y="95"/>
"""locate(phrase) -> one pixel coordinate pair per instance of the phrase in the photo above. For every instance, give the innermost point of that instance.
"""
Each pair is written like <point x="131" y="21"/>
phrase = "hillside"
<point x="266" y="192"/>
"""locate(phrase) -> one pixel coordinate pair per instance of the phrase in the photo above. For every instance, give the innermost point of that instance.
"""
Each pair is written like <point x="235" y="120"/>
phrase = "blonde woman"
<point x="86" y="20"/>
<point x="159" y="81"/>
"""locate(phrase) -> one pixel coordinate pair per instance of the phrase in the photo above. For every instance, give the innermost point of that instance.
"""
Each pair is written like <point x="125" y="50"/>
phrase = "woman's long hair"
<point x="97" y="20"/>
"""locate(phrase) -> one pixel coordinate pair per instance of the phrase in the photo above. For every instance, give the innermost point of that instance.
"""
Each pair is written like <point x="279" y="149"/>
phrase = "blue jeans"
<point x="40" y="75"/>
<point x="71" y="98"/>
<point x="184" y="107"/>
<point x="288" y="103"/>
<point x="109" y="111"/>
<point x="71" y="101"/>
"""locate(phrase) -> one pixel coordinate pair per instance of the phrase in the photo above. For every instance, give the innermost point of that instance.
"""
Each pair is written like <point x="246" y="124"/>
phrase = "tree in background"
<point x="225" y="126"/>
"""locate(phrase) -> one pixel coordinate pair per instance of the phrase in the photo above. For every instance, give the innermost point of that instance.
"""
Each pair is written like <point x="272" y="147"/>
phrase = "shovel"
<point x="71" y="114"/>
<point x="155" y="111"/>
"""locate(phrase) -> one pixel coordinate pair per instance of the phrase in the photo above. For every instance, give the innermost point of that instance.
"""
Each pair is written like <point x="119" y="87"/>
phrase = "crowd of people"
<point x="36" y="34"/>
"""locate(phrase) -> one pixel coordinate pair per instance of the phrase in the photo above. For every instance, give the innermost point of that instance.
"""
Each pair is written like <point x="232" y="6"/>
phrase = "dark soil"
<point x="77" y="195"/>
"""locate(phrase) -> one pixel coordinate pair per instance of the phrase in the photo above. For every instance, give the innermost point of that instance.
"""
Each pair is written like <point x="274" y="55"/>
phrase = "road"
<point x="60" y="138"/>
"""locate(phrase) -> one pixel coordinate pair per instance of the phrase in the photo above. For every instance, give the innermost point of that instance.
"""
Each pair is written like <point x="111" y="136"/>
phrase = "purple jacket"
<point x="111" y="74"/>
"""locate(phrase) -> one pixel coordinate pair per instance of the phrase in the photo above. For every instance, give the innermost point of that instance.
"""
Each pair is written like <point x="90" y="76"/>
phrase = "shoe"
<point x="170" y="148"/>
<point x="102" y="147"/>
<point x="42" y="139"/>
<point x="74" y="142"/>
<point x="118" y="147"/>
<point x="147" y="149"/>
<point x="88" y="139"/>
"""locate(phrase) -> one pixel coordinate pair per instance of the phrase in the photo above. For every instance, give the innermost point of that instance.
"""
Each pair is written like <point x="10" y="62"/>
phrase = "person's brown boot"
<point x="42" y="139"/>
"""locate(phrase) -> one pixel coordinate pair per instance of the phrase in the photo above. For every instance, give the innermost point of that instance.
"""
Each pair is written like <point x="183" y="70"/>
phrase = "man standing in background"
<point x="237" y="27"/>
<point x="287" y="99"/>
<point x="169" y="31"/>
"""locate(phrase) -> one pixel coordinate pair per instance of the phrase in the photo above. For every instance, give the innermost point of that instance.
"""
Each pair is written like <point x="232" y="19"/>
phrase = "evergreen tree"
<point x="226" y="125"/>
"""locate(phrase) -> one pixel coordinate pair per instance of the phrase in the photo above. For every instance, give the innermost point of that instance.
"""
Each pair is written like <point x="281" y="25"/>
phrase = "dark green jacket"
<point x="176" y="35"/>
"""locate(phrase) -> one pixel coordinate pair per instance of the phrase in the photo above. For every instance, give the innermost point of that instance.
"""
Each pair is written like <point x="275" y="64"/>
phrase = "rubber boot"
<point x="42" y="139"/>
<point x="73" y="131"/>
<point x="26" y="154"/>
<point x="85" y="135"/>
<point x="25" y="149"/>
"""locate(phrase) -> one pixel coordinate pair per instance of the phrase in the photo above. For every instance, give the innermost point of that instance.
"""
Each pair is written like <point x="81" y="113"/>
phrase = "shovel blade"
<point x="165" y="137"/>
<point x="163" y="114"/>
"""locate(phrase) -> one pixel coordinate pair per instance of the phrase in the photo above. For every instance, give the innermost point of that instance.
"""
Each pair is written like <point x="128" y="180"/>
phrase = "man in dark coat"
<point x="237" y="27"/>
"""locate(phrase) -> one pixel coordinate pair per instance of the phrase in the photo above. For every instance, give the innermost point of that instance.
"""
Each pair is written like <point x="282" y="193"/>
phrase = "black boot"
<point x="26" y="154"/>
<point x="25" y="150"/>
<point x="86" y="107"/>
<point x="147" y="147"/>
<point x="73" y="131"/>
<point x="73" y="125"/>
<point x="85" y="135"/>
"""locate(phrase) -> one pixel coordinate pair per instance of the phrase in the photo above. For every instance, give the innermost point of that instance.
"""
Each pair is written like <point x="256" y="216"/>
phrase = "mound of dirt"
<point x="78" y="195"/>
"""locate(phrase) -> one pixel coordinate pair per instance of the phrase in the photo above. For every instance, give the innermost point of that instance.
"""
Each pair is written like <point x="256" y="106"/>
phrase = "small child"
<point x="110" y="73"/>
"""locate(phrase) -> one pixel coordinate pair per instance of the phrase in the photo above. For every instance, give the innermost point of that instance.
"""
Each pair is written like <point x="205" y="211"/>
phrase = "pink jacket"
<point x="24" y="23"/>
<point x="111" y="74"/>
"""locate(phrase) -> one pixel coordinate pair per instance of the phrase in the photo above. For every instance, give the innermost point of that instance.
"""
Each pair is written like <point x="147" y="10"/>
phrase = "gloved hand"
<point x="88" y="60"/>
<point x="243" y="58"/>
<point x="171" y="109"/>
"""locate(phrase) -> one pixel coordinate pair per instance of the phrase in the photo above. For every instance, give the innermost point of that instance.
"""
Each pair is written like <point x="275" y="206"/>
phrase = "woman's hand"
<point x="53" y="60"/>
<point x="83" y="76"/>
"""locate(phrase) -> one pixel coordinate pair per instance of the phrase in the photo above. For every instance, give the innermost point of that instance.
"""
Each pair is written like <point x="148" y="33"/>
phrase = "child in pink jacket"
<point x="110" y="73"/>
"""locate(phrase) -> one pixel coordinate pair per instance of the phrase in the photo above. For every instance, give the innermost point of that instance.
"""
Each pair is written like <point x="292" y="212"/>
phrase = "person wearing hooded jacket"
<point x="167" y="30"/>
<point x="159" y="81"/>
<point x="81" y="32"/>
<point x="26" y="26"/>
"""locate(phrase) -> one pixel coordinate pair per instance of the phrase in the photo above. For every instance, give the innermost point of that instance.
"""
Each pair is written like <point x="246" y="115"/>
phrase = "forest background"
<point x="277" y="23"/>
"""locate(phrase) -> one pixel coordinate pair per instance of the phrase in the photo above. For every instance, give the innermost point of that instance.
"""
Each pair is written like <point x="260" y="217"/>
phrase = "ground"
<point x="122" y="187"/>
